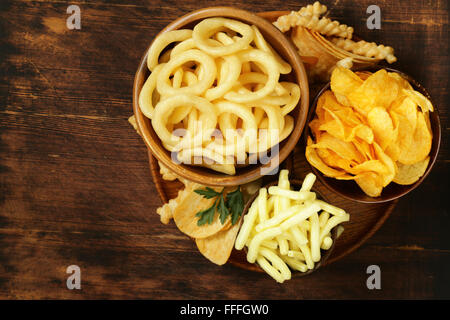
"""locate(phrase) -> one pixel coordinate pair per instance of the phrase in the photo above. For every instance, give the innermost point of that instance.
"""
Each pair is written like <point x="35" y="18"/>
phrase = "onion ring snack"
<point x="214" y="95"/>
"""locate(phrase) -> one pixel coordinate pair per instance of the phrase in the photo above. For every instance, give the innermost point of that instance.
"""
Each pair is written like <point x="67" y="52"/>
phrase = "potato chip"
<point x="370" y="183"/>
<point x="343" y="82"/>
<point x="335" y="128"/>
<point x="382" y="126"/>
<point x="333" y="160"/>
<point x="316" y="161"/>
<point x="378" y="90"/>
<point x="424" y="104"/>
<point x="345" y="150"/>
<point x="410" y="173"/>
<point x="420" y="145"/>
<point x="373" y="128"/>
<point x="364" y="149"/>
<point x="217" y="248"/>
<point x="363" y="75"/>
<point x="185" y="218"/>
<point x="390" y="165"/>
<point x="402" y="82"/>
<point x="404" y="116"/>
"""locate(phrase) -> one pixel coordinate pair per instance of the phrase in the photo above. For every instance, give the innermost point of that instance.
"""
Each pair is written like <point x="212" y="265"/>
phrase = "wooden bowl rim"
<point x="209" y="177"/>
<point x="327" y="253"/>
<point x="436" y="142"/>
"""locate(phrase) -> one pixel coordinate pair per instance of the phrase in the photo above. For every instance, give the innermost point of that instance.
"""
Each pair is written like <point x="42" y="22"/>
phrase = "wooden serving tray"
<point x="365" y="218"/>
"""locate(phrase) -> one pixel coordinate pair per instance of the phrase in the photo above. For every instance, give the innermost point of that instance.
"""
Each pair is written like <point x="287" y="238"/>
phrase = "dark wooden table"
<point x="75" y="186"/>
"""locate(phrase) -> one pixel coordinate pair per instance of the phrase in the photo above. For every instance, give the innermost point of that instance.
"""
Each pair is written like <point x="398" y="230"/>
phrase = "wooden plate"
<point x="365" y="218"/>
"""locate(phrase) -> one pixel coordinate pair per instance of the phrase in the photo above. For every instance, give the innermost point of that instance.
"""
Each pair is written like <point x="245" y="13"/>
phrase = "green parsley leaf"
<point x="223" y="210"/>
<point x="233" y="205"/>
<point x="235" y="202"/>
<point x="206" y="215"/>
<point x="208" y="193"/>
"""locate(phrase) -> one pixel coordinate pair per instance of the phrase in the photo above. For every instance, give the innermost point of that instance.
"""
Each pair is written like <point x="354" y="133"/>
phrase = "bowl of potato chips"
<point x="221" y="96"/>
<point x="373" y="135"/>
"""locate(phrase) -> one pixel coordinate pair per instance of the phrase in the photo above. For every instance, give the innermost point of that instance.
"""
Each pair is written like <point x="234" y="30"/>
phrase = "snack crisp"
<point x="371" y="128"/>
<point x="216" y="97"/>
<point x="287" y="229"/>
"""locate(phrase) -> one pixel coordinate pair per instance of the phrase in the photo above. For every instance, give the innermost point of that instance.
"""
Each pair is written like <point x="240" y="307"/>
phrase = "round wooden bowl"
<point x="298" y="75"/>
<point x="325" y="254"/>
<point x="350" y="189"/>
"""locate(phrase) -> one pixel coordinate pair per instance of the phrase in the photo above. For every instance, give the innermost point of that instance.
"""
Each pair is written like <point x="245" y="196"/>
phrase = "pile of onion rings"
<point x="214" y="95"/>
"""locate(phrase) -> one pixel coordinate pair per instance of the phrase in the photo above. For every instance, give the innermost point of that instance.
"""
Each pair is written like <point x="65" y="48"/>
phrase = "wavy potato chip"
<point x="378" y="90"/>
<point x="424" y="104"/>
<point x="402" y="82"/>
<point x="333" y="160"/>
<point x="317" y="162"/>
<point x="370" y="183"/>
<point x="410" y="173"/>
<point x="185" y="218"/>
<point x="345" y="150"/>
<point x="217" y="248"/>
<point x="373" y="128"/>
<point x="382" y="126"/>
<point x="343" y="82"/>
<point x="390" y="165"/>
<point x="420" y="145"/>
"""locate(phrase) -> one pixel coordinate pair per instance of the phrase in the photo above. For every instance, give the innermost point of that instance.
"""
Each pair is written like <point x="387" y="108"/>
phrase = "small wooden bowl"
<point x="350" y="189"/>
<point x="298" y="75"/>
<point x="325" y="254"/>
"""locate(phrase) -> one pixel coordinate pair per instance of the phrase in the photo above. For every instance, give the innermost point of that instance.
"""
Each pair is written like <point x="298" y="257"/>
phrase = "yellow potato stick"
<point x="330" y="208"/>
<point x="296" y="254"/>
<point x="276" y="206"/>
<point x="331" y="223"/>
<point x="262" y="205"/>
<point x="291" y="194"/>
<point x="303" y="228"/>
<point x="314" y="237"/>
<point x="271" y="271"/>
<point x="340" y="229"/>
<point x="308" y="182"/>
<point x="306" y="225"/>
<point x="300" y="216"/>
<point x="283" y="245"/>
<point x="247" y="226"/>
<point x="290" y="236"/>
<point x="307" y="254"/>
<point x="326" y="243"/>
<point x="283" y="183"/>
<point x="270" y="206"/>
<point x="276" y="262"/>
<point x="323" y="218"/>
<point x="271" y="244"/>
<point x="277" y="219"/>
<point x="292" y="244"/>
<point x="299" y="238"/>
<point x="256" y="242"/>
<point x="295" y="264"/>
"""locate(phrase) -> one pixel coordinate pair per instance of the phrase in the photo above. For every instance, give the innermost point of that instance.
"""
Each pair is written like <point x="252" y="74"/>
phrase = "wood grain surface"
<point x="75" y="185"/>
